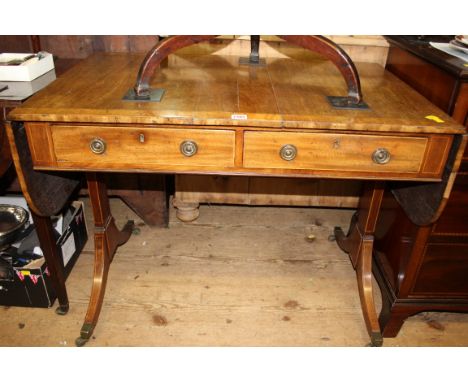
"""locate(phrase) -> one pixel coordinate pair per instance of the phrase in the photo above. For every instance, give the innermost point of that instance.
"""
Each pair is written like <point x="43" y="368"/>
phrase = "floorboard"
<point x="238" y="276"/>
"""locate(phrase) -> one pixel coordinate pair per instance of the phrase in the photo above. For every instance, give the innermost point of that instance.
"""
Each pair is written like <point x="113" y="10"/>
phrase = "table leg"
<point x="47" y="241"/>
<point x="107" y="238"/>
<point x="359" y="244"/>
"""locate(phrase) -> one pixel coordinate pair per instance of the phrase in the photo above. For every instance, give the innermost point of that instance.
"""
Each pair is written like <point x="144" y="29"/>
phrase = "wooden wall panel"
<point x="68" y="46"/>
<point x="142" y="43"/>
<point x="84" y="46"/>
<point x="15" y="44"/>
<point x="139" y="44"/>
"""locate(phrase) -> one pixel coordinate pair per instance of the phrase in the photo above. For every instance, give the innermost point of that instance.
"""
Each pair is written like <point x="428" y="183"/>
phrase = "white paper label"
<point x="68" y="249"/>
<point x="239" y="116"/>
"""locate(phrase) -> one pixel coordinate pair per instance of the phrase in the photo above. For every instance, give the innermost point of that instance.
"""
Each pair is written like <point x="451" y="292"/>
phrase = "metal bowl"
<point x="12" y="221"/>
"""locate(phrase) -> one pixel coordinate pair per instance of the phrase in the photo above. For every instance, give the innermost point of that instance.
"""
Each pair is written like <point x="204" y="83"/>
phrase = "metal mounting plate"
<point x="156" y="95"/>
<point x="247" y="61"/>
<point x="344" y="103"/>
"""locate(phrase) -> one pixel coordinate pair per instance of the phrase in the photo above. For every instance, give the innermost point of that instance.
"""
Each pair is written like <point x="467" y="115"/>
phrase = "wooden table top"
<point x="212" y="90"/>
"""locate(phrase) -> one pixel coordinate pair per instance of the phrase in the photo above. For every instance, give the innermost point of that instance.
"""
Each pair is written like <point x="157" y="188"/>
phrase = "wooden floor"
<point x="238" y="276"/>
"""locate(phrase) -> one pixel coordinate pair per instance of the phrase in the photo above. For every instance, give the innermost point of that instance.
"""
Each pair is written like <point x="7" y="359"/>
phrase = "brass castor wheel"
<point x="376" y="340"/>
<point x="80" y="341"/>
<point x="62" y="310"/>
<point x="85" y="334"/>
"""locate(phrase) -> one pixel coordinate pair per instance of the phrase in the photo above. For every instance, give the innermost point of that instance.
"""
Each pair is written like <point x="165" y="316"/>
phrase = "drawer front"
<point x="146" y="148"/>
<point x="337" y="152"/>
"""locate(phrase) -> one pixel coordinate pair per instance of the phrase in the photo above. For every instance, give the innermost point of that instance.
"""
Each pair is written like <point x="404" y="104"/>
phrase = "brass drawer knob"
<point x="188" y="148"/>
<point x="381" y="156"/>
<point x="288" y="152"/>
<point x="98" y="146"/>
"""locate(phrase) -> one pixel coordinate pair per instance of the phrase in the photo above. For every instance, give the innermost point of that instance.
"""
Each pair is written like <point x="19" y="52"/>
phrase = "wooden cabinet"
<point x="425" y="268"/>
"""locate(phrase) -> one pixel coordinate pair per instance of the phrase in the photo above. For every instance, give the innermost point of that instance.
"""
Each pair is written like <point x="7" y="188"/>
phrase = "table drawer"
<point x="337" y="152"/>
<point x="146" y="147"/>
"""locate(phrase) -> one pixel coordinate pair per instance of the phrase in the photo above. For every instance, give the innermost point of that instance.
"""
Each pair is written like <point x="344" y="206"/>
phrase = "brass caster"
<point x="376" y="340"/>
<point x="80" y="341"/>
<point x="62" y="310"/>
<point x="85" y="334"/>
<point x="337" y="231"/>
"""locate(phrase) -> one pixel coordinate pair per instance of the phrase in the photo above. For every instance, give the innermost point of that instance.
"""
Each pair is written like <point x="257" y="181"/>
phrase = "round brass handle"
<point x="188" y="148"/>
<point x="98" y="146"/>
<point x="288" y="152"/>
<point x="381" y="156"/>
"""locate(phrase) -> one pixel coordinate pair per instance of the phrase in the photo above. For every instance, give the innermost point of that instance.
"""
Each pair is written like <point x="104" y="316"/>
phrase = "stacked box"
<point x="30" y="286"/>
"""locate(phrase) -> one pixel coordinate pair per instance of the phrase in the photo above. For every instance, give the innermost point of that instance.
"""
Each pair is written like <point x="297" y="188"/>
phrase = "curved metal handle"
<point x="188" y="148"/>
<point x="381" y="156"/>
<point x="288" y="152"/>
<point x="98" y="146"/>
<point x="318" y="44"/>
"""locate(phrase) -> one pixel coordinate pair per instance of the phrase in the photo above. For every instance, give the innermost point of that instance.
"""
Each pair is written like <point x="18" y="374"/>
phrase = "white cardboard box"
<point x="28" y="70"/>
<point x="20" y="90"/>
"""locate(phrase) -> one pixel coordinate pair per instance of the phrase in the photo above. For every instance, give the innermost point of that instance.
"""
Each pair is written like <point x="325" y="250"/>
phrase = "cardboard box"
<point x="30" y="286"/>
<point x="20" y="90"/>
<point x="28" y="70"/>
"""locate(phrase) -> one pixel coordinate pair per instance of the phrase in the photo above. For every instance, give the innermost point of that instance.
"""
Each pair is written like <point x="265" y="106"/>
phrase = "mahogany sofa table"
<point x="218" y="116"/>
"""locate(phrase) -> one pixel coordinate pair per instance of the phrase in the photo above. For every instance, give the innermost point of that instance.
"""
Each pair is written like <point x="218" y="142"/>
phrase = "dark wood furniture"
<point x="5" y="155"/>
<point x="426" y="268"/>
<point x="220" y="117"/>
